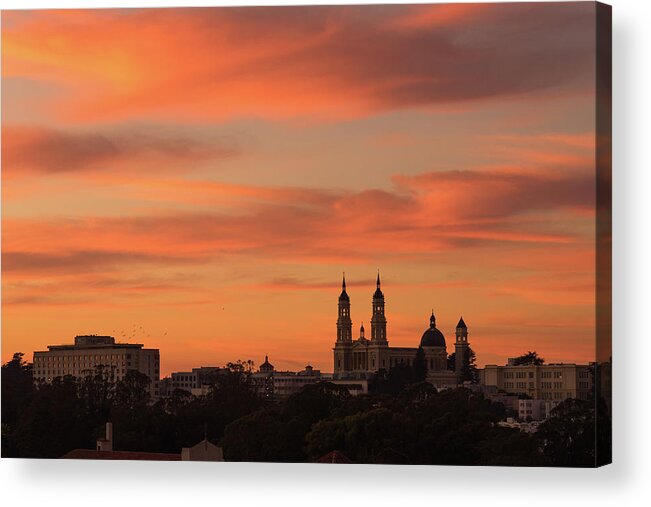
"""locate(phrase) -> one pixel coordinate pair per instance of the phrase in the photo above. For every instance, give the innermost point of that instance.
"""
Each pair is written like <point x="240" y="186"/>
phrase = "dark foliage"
<point x="402" y="420"/>
<point x="569" y="435"/>
<point x="17" y="392"/>
<point x="530" y="358"/>
<point x="469" y="370"/>
<point x="49" y="420"/>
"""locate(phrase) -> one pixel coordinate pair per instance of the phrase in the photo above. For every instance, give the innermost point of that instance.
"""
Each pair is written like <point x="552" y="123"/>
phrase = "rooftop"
<point x="121" y="455"/>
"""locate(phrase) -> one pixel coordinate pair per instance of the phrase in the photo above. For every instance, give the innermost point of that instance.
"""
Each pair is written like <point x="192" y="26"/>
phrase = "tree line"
<point x="403" y="419"/>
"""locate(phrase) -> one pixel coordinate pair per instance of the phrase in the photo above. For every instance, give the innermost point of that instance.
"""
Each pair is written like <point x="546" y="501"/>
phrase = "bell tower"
<point x="344" y="324"/>
<point x="460" y="347"/>
<point x="344" y="343"/>
<point x="378" y="320"/>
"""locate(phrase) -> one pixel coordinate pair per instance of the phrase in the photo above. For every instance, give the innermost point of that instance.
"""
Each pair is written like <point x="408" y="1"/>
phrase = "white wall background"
<point x="627" y="482"/>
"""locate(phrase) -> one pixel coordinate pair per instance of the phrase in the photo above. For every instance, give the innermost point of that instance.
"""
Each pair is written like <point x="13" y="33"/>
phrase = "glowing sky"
<point x="198" y="179"/>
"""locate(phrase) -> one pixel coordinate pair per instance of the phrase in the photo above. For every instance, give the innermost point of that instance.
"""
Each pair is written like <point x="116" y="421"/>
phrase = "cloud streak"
<point x="328" y="62"/>
<point x="425" y="213"/>
<point x="54" y="151"/>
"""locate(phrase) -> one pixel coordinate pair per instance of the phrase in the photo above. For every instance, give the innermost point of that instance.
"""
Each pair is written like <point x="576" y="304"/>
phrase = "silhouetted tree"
<point x="96" y="391"/>
<point x="568" y="435"/>
<point x="392" y="382"/>
<point x="506" y="447"/>
<point x="420" y="366"/>
<point x="469" y="370"/>
<point x="374" y="436"/>
<point x="530" y="358"/>
<point x="54" y="422"/>
<point x="132" y="392"/>
<point x="17" y="392"/>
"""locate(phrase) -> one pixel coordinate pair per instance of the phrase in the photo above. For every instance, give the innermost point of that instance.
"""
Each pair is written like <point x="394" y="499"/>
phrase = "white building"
<point x="551" y="382"/>
<point x="203" y="451"/>
<point x="90" y="352"/>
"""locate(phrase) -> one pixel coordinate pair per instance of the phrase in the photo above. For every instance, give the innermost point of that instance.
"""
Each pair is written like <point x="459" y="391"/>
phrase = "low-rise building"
<point x="203" y="451"/>
<point x="88" y="353"/>
<point x="535" y="410"/>
<point x="196" y="380"/>
<point x="549" y="382"/>
<point x="272" y="384"/>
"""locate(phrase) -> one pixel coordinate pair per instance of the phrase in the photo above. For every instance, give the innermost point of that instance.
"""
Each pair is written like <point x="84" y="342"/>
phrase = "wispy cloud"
<point x="45" y="150"/>
<point x="299" y="61"/>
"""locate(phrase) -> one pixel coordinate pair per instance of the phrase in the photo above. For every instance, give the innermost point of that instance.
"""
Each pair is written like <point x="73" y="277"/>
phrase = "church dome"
<point x="432" y="337"/>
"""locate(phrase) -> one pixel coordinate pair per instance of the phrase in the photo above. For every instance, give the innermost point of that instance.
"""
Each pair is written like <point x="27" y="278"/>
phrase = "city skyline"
<point x="201" y="189"/>
<point x="256" y="361"/>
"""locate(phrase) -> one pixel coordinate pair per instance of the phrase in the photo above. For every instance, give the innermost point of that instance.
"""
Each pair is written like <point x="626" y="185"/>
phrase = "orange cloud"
<point x="428" y="212"/>
<point x="327" y="62"/>
<point x="112" y="217"/>
<point x="27" y="148"/>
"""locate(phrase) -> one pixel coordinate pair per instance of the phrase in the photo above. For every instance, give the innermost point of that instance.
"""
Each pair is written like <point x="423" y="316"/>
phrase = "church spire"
<point x="378" y="320"/>
<point x="344" y="324"/>
<point x="344" y="295"/>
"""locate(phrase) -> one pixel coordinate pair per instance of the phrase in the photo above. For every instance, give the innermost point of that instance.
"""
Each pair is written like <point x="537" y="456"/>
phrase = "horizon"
<point x="256" y="363"/>
<point x="204" y="186"/>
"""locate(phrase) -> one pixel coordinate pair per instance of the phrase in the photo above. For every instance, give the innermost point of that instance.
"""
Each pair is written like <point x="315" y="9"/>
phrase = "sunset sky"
<point x="197" y="180"/>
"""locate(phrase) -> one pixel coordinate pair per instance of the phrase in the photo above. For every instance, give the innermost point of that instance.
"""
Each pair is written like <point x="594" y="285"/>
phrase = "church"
<point x="363" y="357"/>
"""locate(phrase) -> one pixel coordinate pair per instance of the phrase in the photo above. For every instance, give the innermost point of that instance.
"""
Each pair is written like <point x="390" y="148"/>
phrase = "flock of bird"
<point x="136" y="332"/>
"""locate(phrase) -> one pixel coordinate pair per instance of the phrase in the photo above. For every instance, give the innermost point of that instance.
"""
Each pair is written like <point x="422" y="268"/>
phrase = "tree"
<point x="568" y="435"/>
<point x="469" y="370"/>
<point x="528" y="359"/>
<point x="96" y="392"/>
<point x="17" y="392"/>
<point x="54" y="422"/>
<point x="420" y="366"/>
<point x="277" y="433"/>
<point x="373" y="436"/>
<point x="132" y="392"/>
<point x="511" y="447"/>
<point x="392" y="382"/>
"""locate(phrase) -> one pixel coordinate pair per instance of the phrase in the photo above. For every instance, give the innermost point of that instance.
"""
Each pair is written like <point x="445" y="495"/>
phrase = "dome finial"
<point x="378" y="278"/>
<point x="432" y="319"/>
<point x="343" y="282"/>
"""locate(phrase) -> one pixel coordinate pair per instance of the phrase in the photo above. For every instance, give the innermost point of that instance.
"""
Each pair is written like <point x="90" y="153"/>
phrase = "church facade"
<point x="362" y="357"/>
